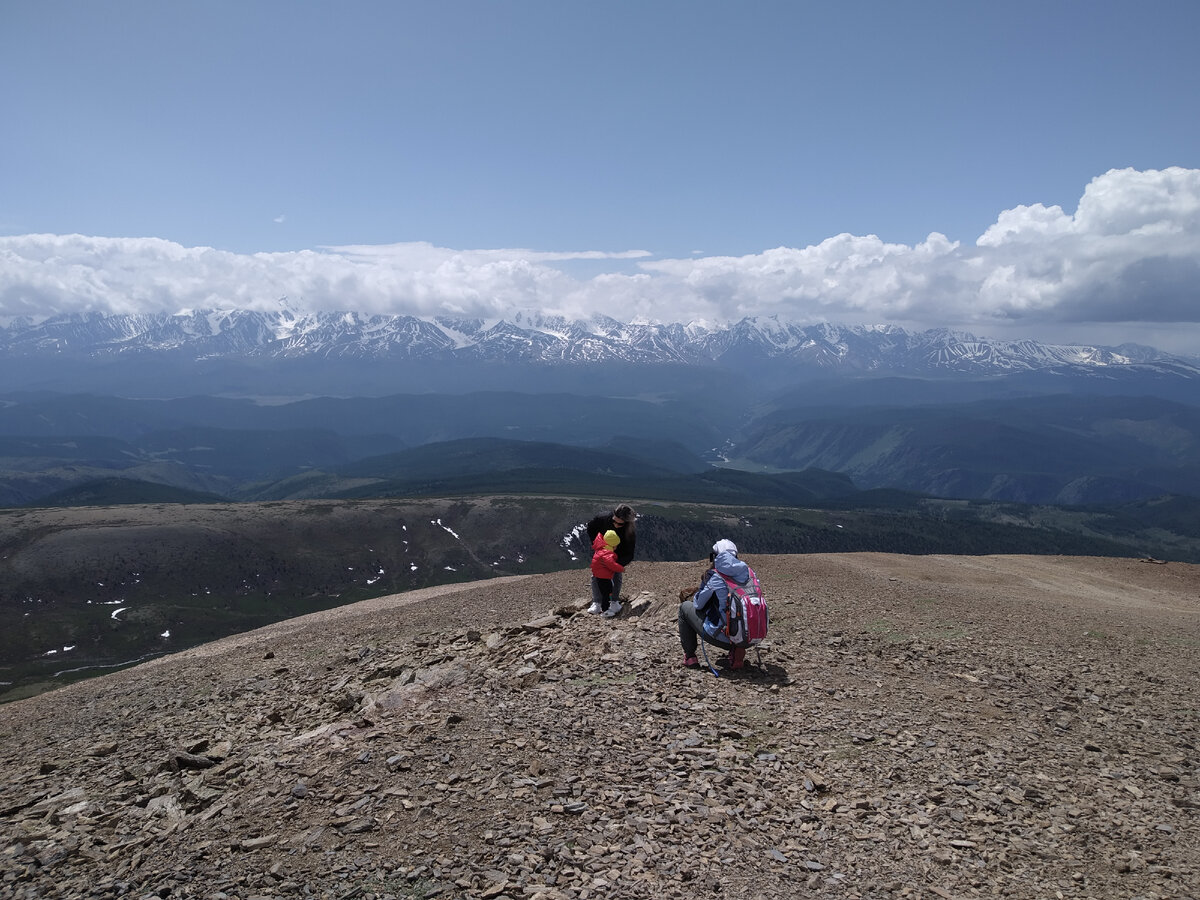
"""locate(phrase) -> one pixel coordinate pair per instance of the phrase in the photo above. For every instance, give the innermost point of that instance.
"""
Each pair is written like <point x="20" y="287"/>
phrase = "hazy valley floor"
<point x="924" y="727"/>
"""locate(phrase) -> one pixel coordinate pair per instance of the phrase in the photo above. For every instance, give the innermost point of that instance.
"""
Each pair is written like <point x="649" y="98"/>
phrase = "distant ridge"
<point x="124" y="491"/>
<point x="250" y="335"/>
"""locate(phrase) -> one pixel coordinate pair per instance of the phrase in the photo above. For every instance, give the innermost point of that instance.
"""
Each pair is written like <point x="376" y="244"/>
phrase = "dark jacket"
<point x="628" y="545"/>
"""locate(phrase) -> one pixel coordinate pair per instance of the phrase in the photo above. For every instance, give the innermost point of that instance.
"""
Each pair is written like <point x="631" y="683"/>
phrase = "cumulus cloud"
<point x="1130" y="253"/>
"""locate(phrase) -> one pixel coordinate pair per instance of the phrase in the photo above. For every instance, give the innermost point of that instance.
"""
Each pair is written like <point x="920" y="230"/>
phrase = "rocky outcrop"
<point x="917" y="727"/>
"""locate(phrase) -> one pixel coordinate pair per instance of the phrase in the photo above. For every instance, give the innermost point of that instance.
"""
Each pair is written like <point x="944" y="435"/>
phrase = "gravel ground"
<point x="919" y="727"/>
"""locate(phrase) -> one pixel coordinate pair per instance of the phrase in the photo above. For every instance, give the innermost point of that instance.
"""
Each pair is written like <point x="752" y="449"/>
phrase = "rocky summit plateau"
<point x="919" y="727"/>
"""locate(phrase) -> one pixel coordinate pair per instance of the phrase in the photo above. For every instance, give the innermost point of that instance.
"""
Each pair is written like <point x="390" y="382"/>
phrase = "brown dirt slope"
<point x="923" y="727"/>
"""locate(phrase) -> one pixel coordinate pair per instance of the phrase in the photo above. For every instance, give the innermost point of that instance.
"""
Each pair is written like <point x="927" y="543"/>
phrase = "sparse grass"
<point x="888" y="631"/>
<point x="846" y="752"/>
<point x="392" y="886"/>
<point x="1183" y="640"/>
<point x="315" y="509"/>
<point x="419" y="889"/>
<point x="765" y="732"/>
<point x="945" y="633"/>
<point x="29" y="690"/>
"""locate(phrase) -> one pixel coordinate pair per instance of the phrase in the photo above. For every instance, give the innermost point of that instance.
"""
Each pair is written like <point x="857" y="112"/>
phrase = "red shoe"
<point x="691" y="662"/>
<point x="737" y="658"/>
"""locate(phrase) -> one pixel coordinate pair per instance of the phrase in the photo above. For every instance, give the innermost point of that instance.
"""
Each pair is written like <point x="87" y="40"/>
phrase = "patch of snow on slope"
<point x="445" y="528"/>
<point x="575" y="534"/>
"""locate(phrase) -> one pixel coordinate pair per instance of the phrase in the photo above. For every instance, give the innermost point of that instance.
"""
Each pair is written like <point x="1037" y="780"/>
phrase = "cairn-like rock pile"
<point x="920" y="727"/>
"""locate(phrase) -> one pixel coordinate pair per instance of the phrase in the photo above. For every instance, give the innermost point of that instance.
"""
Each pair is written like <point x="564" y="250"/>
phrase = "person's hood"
<point x="598" y="542"/>
<point x="728" y="564"/>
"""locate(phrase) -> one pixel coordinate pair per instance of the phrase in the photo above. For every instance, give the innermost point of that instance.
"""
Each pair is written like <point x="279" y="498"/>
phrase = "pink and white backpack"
<point x="747" y="616"/>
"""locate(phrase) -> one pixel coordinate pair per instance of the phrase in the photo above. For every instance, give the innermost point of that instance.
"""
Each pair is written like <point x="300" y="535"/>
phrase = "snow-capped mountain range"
<point x="529" y="338"/>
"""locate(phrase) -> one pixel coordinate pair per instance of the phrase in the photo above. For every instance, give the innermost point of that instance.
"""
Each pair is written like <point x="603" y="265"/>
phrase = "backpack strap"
<point x="741" y="588"/>
<point x="732" y="588"/>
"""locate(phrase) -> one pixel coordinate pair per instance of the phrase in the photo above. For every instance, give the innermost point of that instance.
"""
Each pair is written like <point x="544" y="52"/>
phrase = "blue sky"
<point x="667" y="160"/>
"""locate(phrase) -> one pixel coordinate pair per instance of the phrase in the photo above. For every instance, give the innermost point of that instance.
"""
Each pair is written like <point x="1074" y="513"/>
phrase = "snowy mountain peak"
<point x="530" y="337"/>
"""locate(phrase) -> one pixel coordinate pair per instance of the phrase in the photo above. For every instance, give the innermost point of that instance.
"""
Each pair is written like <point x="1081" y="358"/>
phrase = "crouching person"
<point x="702" y="617"/>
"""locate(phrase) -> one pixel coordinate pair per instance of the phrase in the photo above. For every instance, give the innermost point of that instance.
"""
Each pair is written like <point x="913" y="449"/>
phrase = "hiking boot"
<point x="594" y="609"/>
<point x="691" y="662"/>
<point x="737" y="658"/>
<point x="614" y="609"/>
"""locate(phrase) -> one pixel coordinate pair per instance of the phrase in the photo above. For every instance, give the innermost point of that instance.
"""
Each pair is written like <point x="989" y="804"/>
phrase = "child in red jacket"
<point x="604" y="567"/>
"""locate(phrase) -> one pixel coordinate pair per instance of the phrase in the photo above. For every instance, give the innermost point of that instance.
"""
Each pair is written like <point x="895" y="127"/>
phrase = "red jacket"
<point x="604" y="560"/>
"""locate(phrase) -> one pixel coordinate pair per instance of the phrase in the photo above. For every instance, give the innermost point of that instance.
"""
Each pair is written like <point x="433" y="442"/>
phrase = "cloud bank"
<point x="1125" y="264"/>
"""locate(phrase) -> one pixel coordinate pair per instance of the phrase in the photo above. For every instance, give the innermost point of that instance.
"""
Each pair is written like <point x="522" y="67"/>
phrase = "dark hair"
<point x="625" y="512"/>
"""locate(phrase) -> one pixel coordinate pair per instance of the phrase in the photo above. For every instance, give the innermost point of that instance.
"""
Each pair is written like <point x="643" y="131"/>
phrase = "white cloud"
<point x="1130" y="253"/>
<point x="421" y="253"/>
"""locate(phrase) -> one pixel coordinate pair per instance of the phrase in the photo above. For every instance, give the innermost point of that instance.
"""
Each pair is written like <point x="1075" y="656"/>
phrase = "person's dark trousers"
<point x="691" y="630"/>
<point x="603" y="588"/>
<point x="616" y="590"/>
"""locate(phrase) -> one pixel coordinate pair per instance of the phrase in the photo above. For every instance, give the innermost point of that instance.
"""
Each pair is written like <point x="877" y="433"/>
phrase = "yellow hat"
<point x="612" y="538"/>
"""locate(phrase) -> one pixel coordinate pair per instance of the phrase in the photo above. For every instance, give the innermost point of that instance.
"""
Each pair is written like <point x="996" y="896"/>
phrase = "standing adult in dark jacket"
<point x="620" y="520"/>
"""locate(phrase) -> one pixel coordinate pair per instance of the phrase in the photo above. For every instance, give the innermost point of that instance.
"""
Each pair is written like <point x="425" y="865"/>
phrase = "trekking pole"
<point x="711" y="667"/>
